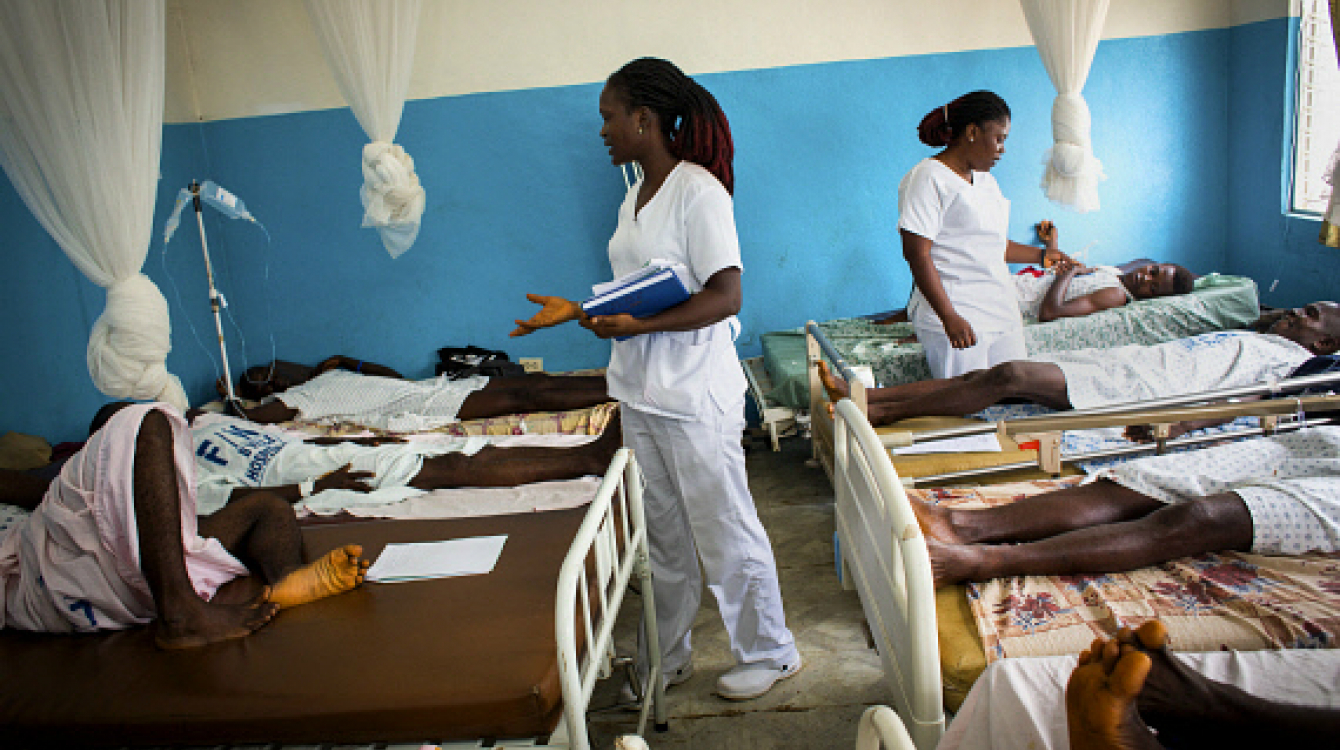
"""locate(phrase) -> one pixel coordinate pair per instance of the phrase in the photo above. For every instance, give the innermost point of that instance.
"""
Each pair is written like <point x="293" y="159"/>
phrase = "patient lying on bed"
<point x="235" y="457"/>
<point x="1072" y="290"/>
<point x="1087" y="378"/>
<point x="1277" y="495"/>
<point x="350" y="390"/>
<point x="114" y="542"/>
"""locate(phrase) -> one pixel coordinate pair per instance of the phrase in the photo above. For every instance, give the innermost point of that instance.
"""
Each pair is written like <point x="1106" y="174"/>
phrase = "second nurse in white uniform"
<point x="953" y="221"/>
<point x="678" y="378"/>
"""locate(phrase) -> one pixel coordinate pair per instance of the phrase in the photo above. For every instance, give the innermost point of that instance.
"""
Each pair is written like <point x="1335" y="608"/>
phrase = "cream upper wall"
<point x="242" y="58"/>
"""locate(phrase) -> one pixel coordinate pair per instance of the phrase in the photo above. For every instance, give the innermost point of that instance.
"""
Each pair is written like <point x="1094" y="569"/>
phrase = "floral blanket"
<point x="1210" y="602"/>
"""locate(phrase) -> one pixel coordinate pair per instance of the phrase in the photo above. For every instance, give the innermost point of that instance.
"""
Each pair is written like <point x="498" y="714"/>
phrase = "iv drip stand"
<point x="214" y="296"/>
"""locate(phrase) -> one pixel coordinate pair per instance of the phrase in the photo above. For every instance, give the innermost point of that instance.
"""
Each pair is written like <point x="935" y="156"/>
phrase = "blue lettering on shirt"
<point x="210" y="453"/>
<point x="256" y="448"/>
<point x="84" y="606"/>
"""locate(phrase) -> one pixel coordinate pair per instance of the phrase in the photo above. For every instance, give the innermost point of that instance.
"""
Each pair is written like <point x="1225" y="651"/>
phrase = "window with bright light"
<point x="1317" y="124"/>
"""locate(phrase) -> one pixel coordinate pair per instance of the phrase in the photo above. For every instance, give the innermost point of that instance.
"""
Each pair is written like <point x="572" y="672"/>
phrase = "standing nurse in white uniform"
<point x="953" y="221"/>
<point x="678" y="377"/>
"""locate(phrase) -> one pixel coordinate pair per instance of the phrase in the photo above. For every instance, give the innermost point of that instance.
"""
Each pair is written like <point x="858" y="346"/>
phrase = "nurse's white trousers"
<point x="698" y="506"/>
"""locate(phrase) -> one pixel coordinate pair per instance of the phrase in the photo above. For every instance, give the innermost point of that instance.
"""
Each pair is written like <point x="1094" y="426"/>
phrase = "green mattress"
<point x="1217" y="303"/>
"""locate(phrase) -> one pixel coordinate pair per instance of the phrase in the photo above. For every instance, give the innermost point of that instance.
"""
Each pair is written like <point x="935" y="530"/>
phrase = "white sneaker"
<point x="628" y="697"/>
<point x="749" y="681"/>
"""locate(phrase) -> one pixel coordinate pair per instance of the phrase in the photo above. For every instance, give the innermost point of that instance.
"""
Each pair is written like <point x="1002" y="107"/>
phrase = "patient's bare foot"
<point x="952" y="563"/>
<point x="835" y="386"/>
<point x="935" y="521"/>
<point x="1101" y="699"/>
<point x="194" y="623"/>
<point x="1173" y="690"/>
<point x="336" y="572"/>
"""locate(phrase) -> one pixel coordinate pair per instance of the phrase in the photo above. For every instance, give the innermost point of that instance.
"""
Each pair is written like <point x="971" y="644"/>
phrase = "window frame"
<point x="1305" y="195"/>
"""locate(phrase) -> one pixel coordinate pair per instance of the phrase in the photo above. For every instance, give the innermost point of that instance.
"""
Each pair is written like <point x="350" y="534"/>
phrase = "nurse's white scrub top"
<point x="690" y="220"/>
<point x="967" y="223"/>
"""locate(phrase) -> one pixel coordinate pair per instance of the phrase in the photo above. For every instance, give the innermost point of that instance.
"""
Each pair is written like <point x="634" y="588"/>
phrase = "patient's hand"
<point x="555" y="311"/>
<point x="1047" y="233"/>
<point x="344" y="478"/>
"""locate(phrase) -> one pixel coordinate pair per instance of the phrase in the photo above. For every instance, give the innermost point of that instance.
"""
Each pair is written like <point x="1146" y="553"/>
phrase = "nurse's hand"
<point x="960" y="332"/>
<point x="610" y="326"/>
<point x="555" y="311"/>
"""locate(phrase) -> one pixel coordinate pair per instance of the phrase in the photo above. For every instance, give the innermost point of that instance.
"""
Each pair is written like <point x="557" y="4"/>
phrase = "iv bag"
<point x="224" y="202"/>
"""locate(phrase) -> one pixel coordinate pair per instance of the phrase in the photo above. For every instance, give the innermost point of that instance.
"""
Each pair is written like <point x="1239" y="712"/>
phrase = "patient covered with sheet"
<point x="1087" y="378"/>
<point x="234" y="456"/>
<point x="342" y="389"/>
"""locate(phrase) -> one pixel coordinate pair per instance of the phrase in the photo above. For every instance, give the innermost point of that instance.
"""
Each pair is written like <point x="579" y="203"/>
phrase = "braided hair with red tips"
<point x="692" y="122"/>
<point x="945" y="123"/>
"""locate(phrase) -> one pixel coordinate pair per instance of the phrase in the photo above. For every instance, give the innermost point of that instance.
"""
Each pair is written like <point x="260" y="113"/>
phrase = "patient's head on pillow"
<point x="1158" y="280"/>
<point x="1315" y="326"/>
<point x="264" y="380"/>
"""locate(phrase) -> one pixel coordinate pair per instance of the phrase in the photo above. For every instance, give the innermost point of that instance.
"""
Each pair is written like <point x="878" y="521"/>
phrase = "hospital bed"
<point x="1219" y="302"/>
<point x="882" y="555"/>
<point x="505" y="659"/>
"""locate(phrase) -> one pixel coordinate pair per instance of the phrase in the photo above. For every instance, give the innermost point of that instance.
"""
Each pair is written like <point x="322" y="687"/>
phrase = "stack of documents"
<point x="649" y="290"/>
<point x="420" y="560"/>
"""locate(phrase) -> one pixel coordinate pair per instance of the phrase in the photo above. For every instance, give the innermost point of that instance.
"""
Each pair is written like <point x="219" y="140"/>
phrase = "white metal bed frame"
<point x="882" y="555"/>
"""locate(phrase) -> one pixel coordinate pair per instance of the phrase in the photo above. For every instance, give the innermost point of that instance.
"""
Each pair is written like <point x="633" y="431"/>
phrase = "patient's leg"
<point x="510" y="467"/>
<point x="184" y="619"/>
<point x="1196" y="711"/>
<point x="260" y="530"/>
<point x="535" y="392"/>
<point x="1040" y="382"/>
<point x="1208" y="524"/>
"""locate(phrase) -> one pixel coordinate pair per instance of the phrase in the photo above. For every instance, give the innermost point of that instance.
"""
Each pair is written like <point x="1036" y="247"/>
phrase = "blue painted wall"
<point x="1264" y="242"/>
<point x="521" y="198"/>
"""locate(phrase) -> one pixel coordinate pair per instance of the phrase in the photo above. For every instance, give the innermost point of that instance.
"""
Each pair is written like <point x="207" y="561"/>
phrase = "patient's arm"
<point x="1268" y="320"/>
<point x="342" y="362"/>
<point x="343" y="478"/>
<point x="22" y="489"/>
<point x="1054" y="305"/>
<point x="272" y="413"/>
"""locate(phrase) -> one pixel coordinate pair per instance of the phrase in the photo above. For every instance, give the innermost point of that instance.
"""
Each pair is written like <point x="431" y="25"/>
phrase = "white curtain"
<point x="1330" y="223"/>
<point x="369" y="45"/>
<point x="81" y="121"/>
<point x="1066" y="33"/>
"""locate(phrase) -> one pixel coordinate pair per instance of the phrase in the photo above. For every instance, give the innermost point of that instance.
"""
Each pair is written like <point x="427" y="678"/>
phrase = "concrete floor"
<point x="820" y="706"/>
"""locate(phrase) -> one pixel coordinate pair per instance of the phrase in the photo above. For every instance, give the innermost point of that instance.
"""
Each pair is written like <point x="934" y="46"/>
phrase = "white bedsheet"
<point x="1019" y="704"/>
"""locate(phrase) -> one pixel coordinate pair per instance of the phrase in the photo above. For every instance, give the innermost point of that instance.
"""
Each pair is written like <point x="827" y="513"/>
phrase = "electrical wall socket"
<point x="532" y="364"/>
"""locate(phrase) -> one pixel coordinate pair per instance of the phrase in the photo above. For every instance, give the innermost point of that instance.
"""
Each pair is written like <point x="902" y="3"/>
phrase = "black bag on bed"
<point x="464" y="361"/>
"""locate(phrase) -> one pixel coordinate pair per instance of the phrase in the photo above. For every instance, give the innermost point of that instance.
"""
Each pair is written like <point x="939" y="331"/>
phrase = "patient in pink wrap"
<point x="114" y="542"/>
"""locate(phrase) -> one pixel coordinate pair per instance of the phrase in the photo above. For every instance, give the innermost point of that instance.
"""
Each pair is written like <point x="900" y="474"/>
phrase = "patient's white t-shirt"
<point x="967" y="224"/>
<point x="1032" y="289"/>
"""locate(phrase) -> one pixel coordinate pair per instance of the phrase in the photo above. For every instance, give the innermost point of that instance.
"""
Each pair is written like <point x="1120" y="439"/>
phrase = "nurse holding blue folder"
<point x="678" y="378"/>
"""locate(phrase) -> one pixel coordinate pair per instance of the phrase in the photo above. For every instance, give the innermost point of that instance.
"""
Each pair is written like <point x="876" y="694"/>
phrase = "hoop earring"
<point x="639" y="131"/>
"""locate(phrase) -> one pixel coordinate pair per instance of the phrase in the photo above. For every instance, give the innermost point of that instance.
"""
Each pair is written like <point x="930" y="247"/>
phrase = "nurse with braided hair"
<point x="953" y="221"/>
<point x="678" y="377"/>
